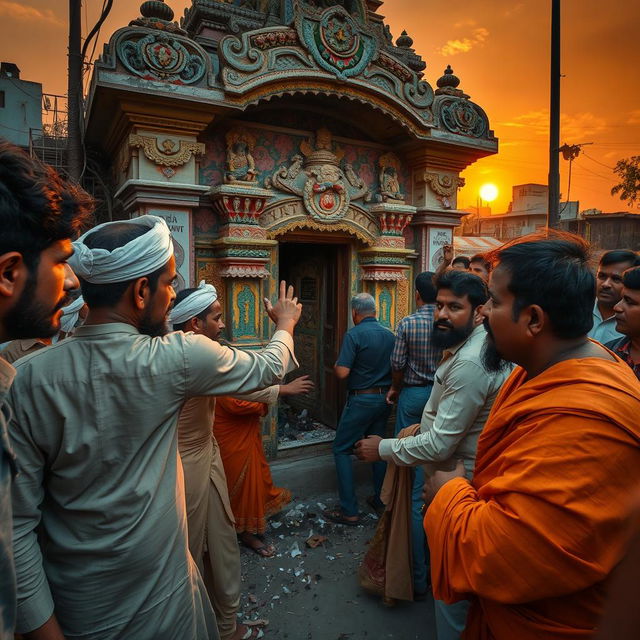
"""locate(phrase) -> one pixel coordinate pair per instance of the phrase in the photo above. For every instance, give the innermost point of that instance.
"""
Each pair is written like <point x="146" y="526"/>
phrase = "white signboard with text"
<point x="438" y="237"/>
<point x="178" y="223"/>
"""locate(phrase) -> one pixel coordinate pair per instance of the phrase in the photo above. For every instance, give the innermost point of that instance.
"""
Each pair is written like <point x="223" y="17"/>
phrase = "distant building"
<point x="606" y="231"/>
<point x="527" y="213"/>
<point x="20" y="105"/>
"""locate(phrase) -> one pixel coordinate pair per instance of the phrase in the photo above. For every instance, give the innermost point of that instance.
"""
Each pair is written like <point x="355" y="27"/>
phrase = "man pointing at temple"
<point x="94" y="425"/>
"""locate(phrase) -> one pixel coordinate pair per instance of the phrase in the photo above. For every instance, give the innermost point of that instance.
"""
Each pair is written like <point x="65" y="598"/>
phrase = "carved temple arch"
<point x="289" y="215"/>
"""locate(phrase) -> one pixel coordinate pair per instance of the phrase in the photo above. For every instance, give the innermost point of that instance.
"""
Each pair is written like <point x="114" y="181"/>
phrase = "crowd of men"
<point x="521" y="429"/>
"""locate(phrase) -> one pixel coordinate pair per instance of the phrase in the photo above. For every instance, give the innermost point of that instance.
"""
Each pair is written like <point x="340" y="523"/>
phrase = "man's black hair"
<point x="184" y="293"/>
<point x="462" y="260"/>
<point x="620" y="255"/>
<point x="481" y="257"/>
<point x="631" y="278"/>
<point x="461" y="284"/>
<point x="551" y="269"/>
<point x="37" y="206"/>
<point x="111" y="237"/>
<point x="425" y="287"/>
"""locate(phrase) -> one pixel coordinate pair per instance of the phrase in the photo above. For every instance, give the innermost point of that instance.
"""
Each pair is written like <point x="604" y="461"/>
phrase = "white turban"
<point x="140" y="257"/>
<point x="70" y="314"/>
<point x="202" y="298"/>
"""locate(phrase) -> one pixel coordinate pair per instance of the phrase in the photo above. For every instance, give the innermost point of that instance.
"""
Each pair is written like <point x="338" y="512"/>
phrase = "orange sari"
<point x="533" y="540"/>
<point x="251" y="491"/>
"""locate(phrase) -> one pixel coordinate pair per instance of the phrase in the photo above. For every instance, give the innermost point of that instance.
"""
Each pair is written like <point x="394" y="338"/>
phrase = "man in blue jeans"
<point x="413" y="363"/>
<point x="364" y="361"/>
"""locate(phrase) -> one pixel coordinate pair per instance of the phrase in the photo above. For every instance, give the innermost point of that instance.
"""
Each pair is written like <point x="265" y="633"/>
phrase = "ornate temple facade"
<point x="287" y="139"/>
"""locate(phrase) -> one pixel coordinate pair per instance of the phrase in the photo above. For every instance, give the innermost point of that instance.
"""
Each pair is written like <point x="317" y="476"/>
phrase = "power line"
<point x="606" y="166"/>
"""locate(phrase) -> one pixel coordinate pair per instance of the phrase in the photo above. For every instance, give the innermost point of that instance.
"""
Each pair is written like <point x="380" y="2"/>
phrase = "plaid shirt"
<point x="413" y="351"/>
<point x="622" y="348"/>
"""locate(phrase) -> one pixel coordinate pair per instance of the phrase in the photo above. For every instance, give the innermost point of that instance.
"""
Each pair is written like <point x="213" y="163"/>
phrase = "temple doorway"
<point x="320" y="275"/>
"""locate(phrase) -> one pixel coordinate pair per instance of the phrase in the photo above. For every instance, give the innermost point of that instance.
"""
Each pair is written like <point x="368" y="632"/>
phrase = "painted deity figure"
<point x="388" y="178"/>
<point x="240" y="163"/>
<point x="389" y="184"/>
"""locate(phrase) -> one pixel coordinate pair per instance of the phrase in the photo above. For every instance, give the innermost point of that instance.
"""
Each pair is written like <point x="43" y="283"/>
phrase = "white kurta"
<point x="94" y="429"/>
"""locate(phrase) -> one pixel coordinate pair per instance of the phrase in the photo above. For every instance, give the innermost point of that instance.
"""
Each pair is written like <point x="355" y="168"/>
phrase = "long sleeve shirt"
<point x="414" y="352"/>
<point x="7" y="471"/>
<point x="94" y="428"/>
<point x="459" y="405"/>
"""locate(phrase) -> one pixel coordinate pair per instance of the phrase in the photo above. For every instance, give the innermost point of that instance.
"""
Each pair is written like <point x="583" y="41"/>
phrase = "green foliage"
<point x="628" y="170"/>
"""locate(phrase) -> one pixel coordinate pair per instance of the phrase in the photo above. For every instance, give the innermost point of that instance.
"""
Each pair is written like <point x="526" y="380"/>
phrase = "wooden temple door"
<point x="319" y="275"/>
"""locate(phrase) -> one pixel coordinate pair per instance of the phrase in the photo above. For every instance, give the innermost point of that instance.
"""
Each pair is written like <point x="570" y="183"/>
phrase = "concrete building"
<point x="20" y="105"/>
<point x="606" y="231"/>
<point x="527" y="213"/>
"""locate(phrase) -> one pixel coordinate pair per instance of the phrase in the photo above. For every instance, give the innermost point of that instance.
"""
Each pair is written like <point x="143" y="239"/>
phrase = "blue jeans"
<point x="363" y="415"/>
<point x="451" y="619"/>
<point x="410" y="407"/>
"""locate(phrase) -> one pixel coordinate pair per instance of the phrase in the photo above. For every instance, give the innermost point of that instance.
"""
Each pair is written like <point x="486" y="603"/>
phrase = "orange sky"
<point x="499" y="49"/>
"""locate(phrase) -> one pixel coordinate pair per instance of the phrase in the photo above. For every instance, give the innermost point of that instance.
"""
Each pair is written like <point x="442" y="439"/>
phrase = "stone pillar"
<point x="385" y="268"/>
<point x="435" y="195"/>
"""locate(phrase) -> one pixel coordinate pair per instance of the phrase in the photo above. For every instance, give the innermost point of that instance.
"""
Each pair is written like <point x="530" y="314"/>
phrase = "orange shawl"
<point x="536" y="536"/>
<point x="251" y="491"/>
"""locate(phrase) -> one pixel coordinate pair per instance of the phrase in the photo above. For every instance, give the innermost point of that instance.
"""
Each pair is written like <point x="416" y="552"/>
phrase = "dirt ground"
<point x="313" y="593"/>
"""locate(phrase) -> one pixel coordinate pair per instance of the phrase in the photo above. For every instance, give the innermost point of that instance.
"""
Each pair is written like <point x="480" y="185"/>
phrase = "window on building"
<point x="1" y="99"/>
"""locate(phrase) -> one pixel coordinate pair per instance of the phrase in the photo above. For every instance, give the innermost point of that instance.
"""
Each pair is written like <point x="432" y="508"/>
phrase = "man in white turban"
<point x="94" y="422"/>
<point x="212" y="536"/>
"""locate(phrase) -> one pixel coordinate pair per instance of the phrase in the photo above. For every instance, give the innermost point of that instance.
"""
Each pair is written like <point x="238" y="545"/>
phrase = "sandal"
<point x="336" y="515"/>
<point x="377" y="507"/>
<point x="251" y="633"/>
<point x="260" y="548"/>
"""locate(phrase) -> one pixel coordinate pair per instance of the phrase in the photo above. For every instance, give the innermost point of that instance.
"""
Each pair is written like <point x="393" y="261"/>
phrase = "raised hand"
<point x="286" y="311"/>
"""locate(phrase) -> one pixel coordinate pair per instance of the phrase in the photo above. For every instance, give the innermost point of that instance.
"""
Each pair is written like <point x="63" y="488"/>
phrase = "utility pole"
<point x="75" y="153"/>
<point x="554" y="121"/>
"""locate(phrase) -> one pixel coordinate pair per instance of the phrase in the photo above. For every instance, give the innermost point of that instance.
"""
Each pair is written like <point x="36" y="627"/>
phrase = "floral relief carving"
<point x="165" y="154"/>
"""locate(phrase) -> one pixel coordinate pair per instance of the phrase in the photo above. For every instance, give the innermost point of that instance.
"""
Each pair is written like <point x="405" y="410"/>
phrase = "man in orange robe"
<point x="532" y="540"/>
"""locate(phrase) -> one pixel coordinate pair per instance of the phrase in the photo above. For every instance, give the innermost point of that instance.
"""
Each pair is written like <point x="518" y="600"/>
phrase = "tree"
<point x="628" y="170"/>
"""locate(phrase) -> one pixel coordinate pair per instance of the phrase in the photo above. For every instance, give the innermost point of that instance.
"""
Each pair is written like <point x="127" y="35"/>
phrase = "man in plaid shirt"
<point x="413" y="363"/>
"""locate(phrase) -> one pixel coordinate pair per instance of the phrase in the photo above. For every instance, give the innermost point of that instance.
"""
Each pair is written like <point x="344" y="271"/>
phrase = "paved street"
<point x="313" y="594"/>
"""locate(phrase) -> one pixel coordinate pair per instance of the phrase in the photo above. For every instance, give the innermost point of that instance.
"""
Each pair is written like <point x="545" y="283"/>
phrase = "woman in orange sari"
<point x="252" y="493"/>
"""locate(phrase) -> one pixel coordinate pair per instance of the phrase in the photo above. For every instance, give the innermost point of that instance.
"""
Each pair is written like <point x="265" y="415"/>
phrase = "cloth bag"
<point x="387" y="567"/>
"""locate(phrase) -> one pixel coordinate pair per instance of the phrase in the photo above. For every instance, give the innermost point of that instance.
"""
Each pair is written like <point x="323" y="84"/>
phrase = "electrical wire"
<point x="606" y="166"/>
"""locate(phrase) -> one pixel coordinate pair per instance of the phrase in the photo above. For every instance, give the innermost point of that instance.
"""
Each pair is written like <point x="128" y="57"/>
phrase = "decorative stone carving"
<point x="240" y="164"/>
<point x="316" y="176"/>
<point x="164" y="152"/>
<point x="444" y="186"/>
<point x="463" y="117"/>
<point x="392" y="219"/>
<point x="290" y="215"/>
<point x="448" y="84"/>
<point x="239" y="203"/>
<point x="161" y="56"/>
<point x="389" y="165"/>
<point x="336" y="41"/>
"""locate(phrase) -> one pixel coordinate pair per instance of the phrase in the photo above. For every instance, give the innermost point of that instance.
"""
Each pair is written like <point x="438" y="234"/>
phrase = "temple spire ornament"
<point x="448" y="84"/>
<point x="157" y="14"/>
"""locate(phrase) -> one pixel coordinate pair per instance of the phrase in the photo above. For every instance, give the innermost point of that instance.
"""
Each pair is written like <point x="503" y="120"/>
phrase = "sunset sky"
<point x="498" y="48"/>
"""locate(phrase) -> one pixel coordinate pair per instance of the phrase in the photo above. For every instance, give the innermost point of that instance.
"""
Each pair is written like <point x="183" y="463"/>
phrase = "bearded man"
<point x="533" y="538"/>
<point x="458" y="407"/>
<point x="100" y="534"/>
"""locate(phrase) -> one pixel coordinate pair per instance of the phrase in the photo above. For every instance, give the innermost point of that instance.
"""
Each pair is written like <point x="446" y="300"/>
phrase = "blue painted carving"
<point x="160" y="56"/>
<point x="386" y="302"/>
<point x="337" y="43"/>
<point x="246" y="312"/>
<point x="462" y="117"/>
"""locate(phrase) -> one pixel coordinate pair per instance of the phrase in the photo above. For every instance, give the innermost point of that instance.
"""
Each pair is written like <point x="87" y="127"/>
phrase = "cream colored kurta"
<point x="209" y="514"/>
<point x="94" y="429"/>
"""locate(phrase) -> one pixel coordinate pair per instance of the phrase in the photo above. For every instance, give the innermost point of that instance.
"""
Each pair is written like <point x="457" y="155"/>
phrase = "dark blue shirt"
<point x="366" y="350"/>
